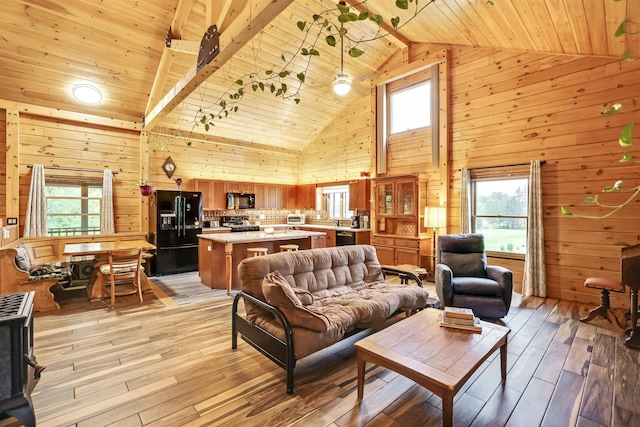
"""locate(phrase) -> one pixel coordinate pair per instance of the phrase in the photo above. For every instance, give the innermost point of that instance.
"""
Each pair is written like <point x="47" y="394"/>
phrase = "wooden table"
<point x="438" y="358"/>
<point x="100" y="251"/>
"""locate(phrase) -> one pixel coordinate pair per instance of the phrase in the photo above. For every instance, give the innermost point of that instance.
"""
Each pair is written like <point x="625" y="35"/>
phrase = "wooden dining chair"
<point x="124" y="266"/>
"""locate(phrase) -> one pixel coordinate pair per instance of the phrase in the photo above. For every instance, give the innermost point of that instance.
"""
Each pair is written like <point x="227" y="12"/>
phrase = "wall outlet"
<point x="12" y="221"/>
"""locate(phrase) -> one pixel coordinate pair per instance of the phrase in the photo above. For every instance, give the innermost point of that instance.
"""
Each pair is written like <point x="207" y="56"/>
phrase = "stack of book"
<point x="460" y="318"/>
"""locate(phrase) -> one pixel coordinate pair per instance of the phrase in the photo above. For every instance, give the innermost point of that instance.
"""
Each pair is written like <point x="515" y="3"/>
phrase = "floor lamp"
<point x="434" y="217"/>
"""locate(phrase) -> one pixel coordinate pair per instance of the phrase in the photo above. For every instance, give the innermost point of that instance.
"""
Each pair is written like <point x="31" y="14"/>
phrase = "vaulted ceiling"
<point x="48" y="46"/>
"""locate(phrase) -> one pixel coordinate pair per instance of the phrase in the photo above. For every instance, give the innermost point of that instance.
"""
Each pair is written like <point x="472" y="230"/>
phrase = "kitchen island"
<point x="220" y="253"/>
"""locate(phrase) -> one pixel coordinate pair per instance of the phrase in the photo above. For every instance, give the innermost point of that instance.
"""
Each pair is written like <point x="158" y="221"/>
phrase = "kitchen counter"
<point x="218" y="252"/>
<point x="333" y="227"/>
<point x="259" y="236"/>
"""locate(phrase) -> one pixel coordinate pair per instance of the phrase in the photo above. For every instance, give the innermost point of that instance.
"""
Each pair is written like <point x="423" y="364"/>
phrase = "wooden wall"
<point x="3" y="165"/>
<point x="342" y="150"/>
<point x="511" y="107"/>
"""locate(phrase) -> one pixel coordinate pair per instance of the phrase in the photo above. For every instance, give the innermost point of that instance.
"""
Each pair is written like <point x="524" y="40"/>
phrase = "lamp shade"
<point x="435" y="216"/>
<point x="342" y="84"/>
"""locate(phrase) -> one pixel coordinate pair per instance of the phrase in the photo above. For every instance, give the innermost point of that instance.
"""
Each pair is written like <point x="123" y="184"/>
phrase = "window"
<point x="410" y="108"/>
<point x="500" y="213"/>
<point x="335" y="201"/>
<point x="73" y="209"/>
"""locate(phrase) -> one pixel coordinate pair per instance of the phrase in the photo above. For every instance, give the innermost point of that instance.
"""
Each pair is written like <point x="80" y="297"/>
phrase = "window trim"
<point x="84" y="198"/>
<point x="503" y="174"/>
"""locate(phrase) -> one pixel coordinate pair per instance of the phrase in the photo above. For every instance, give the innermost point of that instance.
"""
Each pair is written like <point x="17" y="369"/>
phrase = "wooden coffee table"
<point x="439" y="359"/>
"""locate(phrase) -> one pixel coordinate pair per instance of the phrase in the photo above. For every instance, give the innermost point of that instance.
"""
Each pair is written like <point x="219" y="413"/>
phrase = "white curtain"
<point x="36" y="221"/>
<point x="465" y="213"/>
<point x="106" y="215"/>
<point x="534" y="281"/>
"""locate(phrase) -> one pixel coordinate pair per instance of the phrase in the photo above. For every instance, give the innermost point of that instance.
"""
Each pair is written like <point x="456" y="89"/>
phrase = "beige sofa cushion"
<point x="279" y="293"/>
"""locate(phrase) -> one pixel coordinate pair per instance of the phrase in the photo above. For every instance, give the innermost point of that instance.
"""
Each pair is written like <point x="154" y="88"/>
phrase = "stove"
<point x="238" y="223"/>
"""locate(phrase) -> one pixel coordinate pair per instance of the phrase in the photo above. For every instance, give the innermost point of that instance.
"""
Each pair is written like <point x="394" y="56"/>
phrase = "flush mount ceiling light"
<point x="87" y="93"/>
<point x="342" y="82"/>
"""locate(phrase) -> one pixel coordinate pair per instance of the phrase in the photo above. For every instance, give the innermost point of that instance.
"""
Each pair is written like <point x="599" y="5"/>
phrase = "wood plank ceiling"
<point x="47" y="46"/>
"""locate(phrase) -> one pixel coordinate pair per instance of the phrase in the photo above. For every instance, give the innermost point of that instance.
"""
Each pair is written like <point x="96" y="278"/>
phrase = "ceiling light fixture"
<point x="342" y="82"/>
<point x="87" y="93"/>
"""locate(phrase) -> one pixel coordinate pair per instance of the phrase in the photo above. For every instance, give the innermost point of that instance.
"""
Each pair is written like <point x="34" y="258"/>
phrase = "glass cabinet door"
<point x="405" y="202"/>
<point x="385" y="199"/>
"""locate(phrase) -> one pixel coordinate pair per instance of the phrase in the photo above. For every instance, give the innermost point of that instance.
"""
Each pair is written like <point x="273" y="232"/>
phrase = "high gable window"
<point x="409" y="107"/>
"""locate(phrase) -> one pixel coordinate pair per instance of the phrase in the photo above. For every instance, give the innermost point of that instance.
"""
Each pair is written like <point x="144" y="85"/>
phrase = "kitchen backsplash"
<point x="269" y="216"/>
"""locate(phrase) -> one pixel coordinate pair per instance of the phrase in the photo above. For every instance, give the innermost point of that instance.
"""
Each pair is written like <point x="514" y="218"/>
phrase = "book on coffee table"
<point x="472" y="324"/>
<point x="458" y="313"/>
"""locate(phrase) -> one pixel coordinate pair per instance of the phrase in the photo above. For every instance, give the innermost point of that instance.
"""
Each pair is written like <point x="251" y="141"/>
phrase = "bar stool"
<point x="604" y="309"/>
<point x="288" y="248"/>
<point x="257" y="251"/>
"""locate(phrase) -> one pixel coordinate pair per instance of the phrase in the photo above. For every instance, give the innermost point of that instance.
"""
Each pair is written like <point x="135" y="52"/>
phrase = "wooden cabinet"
<point x="213" y="194"/>
<point x="240" y="187"/>
<point x="271" y="196"/>
<point x="306" y="197"/>
<point x="329" y="239"/>
<point x="399" y="234"/>
<point x="318" y="242"/>
<point x="360" y="195"/>
<point x="363" y="238"/>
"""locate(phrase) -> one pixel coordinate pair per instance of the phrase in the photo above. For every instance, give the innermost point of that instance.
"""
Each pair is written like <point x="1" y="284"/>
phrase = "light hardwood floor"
<point x="161" y="363"/>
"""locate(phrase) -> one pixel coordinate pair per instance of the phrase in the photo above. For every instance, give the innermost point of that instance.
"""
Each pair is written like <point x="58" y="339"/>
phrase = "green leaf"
<point x="626" y="158"/>
<point x="279" y="92"/>
<point x="607" y="189"/>
<point x="240" y="92"/>
<point x="613" y="109"/>
<point x="565" y="211"/>
<point x="268" y="72"/>
<point x="284" y="88"/>
<point x="235" y="109"/>
<point x="353" y="17"/>
<point x="377" y="19"/>
<point x="297" y="100"/>
<point x="363" y="15"/>
<point x="316" y="17"/>
<point x="301" y="77"/>
<point x="314" y="52"/>
<point x="591" y="199"/>
<point x="402" y="4"/>
<point x="254" y="87"/>
<point x="273" y="88"/>
<point x="342" y="31"/>
<point x="343" y="8"/>
<point x="283" y="58"/>
<point x="622" y="29"/>
<point x="239" y="82"/>
<point x="343" y="18"/>
<point x="203" y="120"/>
<point x="304" y="51"/>
<point x="331" y="40"/>
<point x="206" y="127"/>
<point x="395" y="21"/>
<point x="284" y="74"/>
<point x="261" y="85"/>
<point x="223" y="104"/>
<point x="354" y="52"/>
<point x="625" y="136"/>
<point x="302" y="25"/>
<point x="626" y="55"/>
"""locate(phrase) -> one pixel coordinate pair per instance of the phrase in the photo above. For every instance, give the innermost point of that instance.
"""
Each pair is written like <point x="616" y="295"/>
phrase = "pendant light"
<point x="342" y="82"/>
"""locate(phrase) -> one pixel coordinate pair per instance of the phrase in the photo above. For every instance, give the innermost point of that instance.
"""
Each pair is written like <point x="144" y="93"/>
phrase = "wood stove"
<point x="19" y="371"/>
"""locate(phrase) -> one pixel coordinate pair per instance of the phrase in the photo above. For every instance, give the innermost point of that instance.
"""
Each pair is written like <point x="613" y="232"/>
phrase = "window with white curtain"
<point x="73" y="208"/>
<point x="499" y="211"/>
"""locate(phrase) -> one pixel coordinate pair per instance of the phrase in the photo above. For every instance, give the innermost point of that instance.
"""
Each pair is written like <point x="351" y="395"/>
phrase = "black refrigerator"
<point x="175" y="220"/>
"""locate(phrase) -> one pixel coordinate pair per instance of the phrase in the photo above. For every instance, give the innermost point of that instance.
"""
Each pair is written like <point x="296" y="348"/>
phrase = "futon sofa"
<point x="296" y="303"/>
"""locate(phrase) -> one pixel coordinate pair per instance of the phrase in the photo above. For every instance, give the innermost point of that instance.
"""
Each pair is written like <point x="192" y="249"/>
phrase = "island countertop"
<point x="259" y="236"/>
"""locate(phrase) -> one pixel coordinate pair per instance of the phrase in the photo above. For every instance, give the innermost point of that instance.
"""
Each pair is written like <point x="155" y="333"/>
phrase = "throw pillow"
<point x="280" y="294"/>
<point x="22" y="259"/>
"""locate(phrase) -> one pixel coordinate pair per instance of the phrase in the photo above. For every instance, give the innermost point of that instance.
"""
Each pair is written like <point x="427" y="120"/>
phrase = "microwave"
<point x="294" y="219"/>
<point x="241" y="201"/>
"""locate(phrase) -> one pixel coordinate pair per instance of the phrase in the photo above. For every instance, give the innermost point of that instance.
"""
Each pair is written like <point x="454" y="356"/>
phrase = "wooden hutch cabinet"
<point x="399" y="234"/>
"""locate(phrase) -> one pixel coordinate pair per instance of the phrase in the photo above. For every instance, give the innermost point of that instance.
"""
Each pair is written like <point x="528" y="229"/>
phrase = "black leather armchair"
<point x="463" y="278"/>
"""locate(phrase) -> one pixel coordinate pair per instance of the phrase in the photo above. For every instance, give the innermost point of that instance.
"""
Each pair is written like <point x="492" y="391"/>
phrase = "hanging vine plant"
<point x="328" y="26"/>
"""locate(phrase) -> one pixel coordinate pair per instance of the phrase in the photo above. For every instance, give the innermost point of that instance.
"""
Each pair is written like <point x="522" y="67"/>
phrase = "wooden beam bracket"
<point x="209" y="46"/>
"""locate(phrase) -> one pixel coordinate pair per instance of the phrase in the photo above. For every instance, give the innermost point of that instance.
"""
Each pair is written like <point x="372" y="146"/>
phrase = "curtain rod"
<point x="74" y="169"/>
<point x="542" y="163"/>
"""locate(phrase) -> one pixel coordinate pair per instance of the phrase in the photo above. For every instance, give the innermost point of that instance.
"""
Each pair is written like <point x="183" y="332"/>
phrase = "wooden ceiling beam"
<point x="249" y="22"/>
<point x="395" y="35"/>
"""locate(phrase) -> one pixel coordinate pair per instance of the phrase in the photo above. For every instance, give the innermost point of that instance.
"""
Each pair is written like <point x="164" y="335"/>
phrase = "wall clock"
<point x="169" y="167"/>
